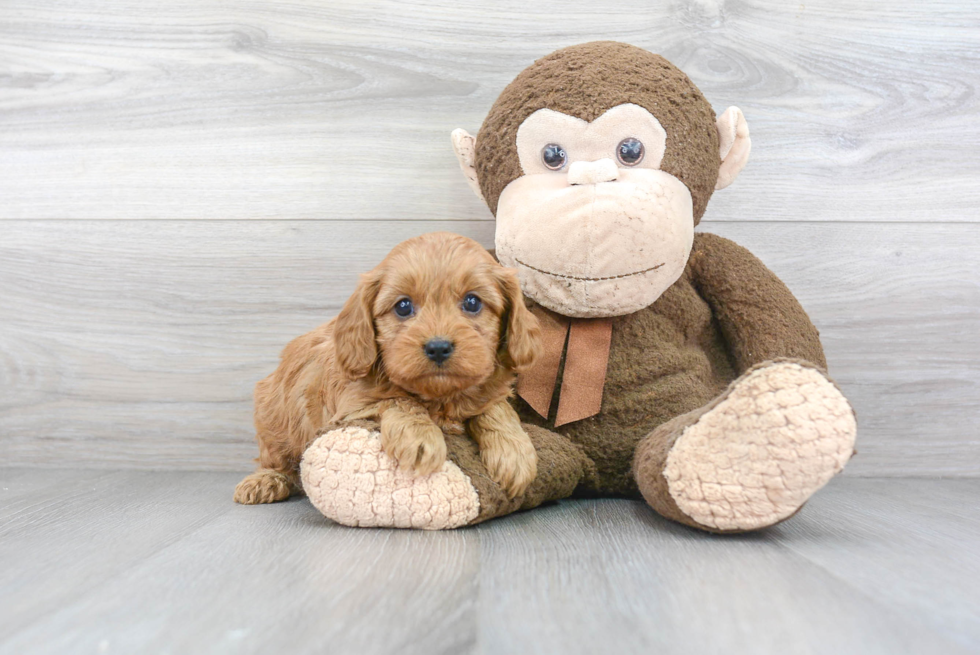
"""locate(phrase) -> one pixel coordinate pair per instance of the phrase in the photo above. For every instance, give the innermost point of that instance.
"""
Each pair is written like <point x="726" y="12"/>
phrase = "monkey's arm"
<point x="759" y="316"/>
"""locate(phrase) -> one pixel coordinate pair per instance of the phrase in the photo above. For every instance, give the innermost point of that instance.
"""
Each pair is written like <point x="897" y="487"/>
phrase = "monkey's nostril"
<point x="438" y="350"/>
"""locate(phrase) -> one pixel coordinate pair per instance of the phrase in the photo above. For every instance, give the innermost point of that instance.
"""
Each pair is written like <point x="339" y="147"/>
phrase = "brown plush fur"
<point x="673" y="359"/>
<point x="587" y="80"/>
<point x="726" y="314"/>
<point x="370" y="363"/>
<point x="682" y="351"/>
<point x="562" y="467"/>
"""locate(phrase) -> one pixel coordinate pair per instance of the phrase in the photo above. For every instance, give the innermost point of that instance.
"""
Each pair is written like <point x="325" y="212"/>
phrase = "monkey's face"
<point x="593" y="225"/>
<point x="598" y="160"/>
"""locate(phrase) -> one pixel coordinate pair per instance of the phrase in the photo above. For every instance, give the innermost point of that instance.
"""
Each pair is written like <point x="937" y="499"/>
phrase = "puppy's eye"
<point x="472" y="304"/>
<point x="404" y="308"/>
<point x="553" y="156"/>
<point x="630" y="151"/>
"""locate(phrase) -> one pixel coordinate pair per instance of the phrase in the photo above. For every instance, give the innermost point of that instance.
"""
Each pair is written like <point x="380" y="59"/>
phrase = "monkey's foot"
<point x="752" y="457"/>
<point x="350" y="479"/>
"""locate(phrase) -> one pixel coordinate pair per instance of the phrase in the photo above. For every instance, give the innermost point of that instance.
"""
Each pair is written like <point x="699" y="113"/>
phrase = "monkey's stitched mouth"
<point x="589" y="279"/>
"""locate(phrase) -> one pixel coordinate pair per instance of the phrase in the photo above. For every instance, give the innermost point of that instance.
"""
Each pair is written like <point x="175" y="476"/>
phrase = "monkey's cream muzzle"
<point x="595" y="249"/>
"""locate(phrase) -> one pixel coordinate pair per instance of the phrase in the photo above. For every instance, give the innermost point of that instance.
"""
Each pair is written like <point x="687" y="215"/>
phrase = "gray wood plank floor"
<point x="164" y="562"/>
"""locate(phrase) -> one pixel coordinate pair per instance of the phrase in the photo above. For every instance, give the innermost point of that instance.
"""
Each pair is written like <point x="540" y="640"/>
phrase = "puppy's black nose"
<point x="438" y="350"/>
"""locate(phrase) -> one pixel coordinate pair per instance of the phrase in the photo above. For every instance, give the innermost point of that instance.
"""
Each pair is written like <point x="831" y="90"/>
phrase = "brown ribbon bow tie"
<point x="585" y="366"/>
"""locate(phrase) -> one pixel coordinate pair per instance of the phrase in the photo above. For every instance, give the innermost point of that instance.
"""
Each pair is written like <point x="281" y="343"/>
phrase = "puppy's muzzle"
<point x="438" y="350"/>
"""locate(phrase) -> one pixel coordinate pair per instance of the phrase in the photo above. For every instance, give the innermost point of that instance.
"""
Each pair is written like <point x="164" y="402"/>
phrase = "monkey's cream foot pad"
<point x="779" y="435"/>
<point x="350" y="479"/>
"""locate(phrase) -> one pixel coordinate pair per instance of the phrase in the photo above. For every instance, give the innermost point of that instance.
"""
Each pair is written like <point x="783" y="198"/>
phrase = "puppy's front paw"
<point x="510" y="460"/>
<point x="416" y="446"/>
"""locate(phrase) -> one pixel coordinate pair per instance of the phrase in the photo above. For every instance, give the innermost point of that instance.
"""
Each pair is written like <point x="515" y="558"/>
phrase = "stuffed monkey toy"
<point x="676" y="366"/>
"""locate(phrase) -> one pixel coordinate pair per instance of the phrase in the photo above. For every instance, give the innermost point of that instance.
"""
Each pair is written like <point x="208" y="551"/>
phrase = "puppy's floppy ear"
<point x="354" y="330"/>
<point x="521" y="341"/>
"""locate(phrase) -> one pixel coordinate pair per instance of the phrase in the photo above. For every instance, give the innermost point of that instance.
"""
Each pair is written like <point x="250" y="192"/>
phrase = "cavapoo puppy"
<point x="431" y="340"/>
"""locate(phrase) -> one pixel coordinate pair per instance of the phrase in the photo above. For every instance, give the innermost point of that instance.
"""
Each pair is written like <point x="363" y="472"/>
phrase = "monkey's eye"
<point x="472" y="304"/>
<point x="404" y="308"/>
<point x="630" y="151"/>
<point x="553" y="156"/>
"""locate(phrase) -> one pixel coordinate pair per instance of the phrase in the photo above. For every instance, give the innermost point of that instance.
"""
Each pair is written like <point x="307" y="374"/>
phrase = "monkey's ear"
<point x="464" y="145"/>
<point x="734" y="145"/>
<point x="522" y="337"/>
<point x="353" y="333"/>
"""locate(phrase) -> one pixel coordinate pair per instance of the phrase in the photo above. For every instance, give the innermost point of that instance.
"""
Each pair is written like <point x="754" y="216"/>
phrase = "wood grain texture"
<point x="279" y="576"/>
<point x="137" y="343"/>
<point x="859" y="109"/>
<point x="927" y="530"/>
<point x="165" y="562"/>
<point x="614" y="577"/>
<point x="88" y="529"/>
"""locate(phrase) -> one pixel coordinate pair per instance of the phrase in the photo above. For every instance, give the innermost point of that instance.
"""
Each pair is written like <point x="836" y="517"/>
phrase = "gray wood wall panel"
<point x="134" y="343"/>
<point x="137" y="343"/>
<point x="860" y="110"/>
